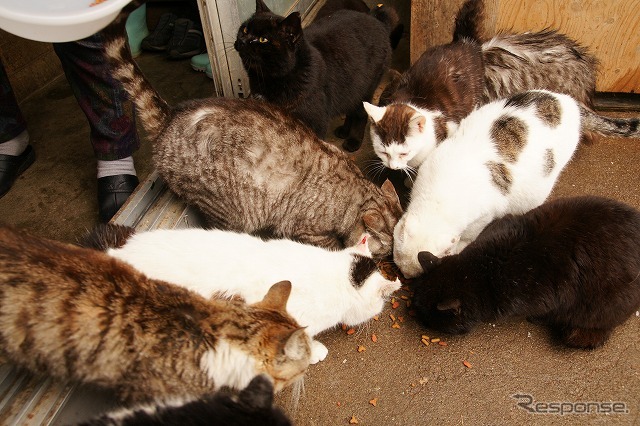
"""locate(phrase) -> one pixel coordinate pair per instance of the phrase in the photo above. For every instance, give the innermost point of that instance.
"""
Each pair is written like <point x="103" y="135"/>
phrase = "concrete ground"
<point x="392" y="378"/>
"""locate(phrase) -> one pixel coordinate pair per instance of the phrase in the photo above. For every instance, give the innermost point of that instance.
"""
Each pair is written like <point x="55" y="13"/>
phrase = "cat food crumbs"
<point x="361" y="348"/>
<point x="353" y="420"/>
<point x="338" y="403"/>
<point x="344" y="327"/>
<point x="435" y="340"/>
<point x="374" y="338"/>
<point x="380" y="5"/>
<point x="395" y="305"/>
<point x="376" y="318"/>
<point x="374" y="402"/>
<point x="471" y="352"/>
<point x="96" y="2"/>
<point x="424" y="336"/>
<point x="442" y="343"/>
<point x="413" y="385"/>
<point x="467" y="364"/>
<point x="401" y="319"/>
<point x="403" y="297"/>
<point x="395" y="325"/>
<point x="423" y="380"/>
<point x="351" y="331"/>
<point x="393" y="317"/>
<point x="425" y="342"/>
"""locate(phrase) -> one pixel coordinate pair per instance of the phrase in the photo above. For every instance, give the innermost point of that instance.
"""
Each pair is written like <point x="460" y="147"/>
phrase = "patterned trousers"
<point x="110" y="113"/>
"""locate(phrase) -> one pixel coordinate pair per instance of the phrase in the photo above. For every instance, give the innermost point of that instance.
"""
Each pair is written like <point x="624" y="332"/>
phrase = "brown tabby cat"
<point x="249" y="167"/>
<point x="77" y="314"/>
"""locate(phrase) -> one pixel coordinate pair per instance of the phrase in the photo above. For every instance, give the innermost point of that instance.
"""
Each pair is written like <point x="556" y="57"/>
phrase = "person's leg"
<point x="16" y="155"/>
<point x="111" y="117"/>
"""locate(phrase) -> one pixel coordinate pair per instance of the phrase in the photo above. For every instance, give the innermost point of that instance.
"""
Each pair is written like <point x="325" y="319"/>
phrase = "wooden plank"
<point x="609" y="29"/>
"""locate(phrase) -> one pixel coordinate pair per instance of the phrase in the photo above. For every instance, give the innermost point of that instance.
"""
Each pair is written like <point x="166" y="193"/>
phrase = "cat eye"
<point x="262" y="40"/>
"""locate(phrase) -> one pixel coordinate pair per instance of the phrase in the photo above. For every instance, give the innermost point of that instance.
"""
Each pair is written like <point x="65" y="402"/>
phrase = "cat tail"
<point x="389" y="17"/>
<point x="468" y="22"/>
<point x="609" y="126"/>
<point x="154" y="112"/>
<point x="105" y="236"/>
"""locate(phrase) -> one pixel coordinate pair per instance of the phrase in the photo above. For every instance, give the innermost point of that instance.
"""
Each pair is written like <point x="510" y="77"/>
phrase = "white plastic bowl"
<point x="57" y="20"/>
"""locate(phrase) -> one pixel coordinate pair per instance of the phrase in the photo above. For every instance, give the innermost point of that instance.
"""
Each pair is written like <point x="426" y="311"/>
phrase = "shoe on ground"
<point x="12" y="166"/>
<point x="113" y="191"/>
<point x="137" y="29"/>
<point x="200" y="62"/>
<point x="208" y="71"/>
<point x="158" y="40"/>
<point x="187" y="40"/>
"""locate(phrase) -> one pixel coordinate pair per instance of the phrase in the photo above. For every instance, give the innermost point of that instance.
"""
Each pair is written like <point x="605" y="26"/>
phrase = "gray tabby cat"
<point x="249" y="167"/>
<point x="80" y="315"/>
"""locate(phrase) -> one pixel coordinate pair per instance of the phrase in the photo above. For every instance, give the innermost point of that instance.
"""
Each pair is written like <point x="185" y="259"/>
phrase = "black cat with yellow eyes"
<point x="326" y="70"/>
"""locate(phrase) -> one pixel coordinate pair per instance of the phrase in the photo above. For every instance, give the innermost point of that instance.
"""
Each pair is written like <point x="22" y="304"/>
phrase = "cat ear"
<point x="291" y="26"/>
<point x="373" y="221"/>
<point x="259" y="393"/>
<point x="277" y="297"/>
<point x="296" y="345"/>
<point x="417" y="123"/>
<point x="390" y="193"/>
<point x="363" y="246"/>
<point x="428" y="260"/>
<point x="450" y="305"/>
<point x="375" y="112"/>
<point x="261" y="7"/>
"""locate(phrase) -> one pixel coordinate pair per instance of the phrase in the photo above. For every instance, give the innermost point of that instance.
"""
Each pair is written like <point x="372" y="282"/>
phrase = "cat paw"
<point x="351" y="145"/>
<point x="318" y="352"/>
<point x="341" y="132"/>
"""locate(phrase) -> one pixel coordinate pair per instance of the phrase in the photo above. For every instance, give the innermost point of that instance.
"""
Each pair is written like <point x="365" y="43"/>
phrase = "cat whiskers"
<point x="411" y="172"/>
<point x="297" y="389"/>
<point x="373" y="169"/>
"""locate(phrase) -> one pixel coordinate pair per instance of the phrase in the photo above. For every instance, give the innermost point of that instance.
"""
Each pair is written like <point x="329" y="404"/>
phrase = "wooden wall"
<point x="610" y="28"/>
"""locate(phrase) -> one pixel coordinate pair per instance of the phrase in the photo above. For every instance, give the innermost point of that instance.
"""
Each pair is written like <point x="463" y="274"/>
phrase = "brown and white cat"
<point x="78" y="314"/>
<point x="249" y="167"/>
<point x="447" y="82"/>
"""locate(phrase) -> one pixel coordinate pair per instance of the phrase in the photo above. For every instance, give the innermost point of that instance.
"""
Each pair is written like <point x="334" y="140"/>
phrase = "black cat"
<point x="572" y="264"/>
<point x="252" y="406"/>
<point x="326" y="70"/>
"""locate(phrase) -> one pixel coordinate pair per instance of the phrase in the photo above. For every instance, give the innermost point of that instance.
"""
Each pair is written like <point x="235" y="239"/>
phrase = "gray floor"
<point x="412" y="384"/>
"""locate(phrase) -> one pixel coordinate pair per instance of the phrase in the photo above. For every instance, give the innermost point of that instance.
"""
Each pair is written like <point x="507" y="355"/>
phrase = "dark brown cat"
<point x="249" y="167"/>
<point x="78" y="314"/>
<point x="572" y="264"/>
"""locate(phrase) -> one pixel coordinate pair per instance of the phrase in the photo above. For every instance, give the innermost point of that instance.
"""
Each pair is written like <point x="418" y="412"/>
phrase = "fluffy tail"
<point x="468" y="23"/>
<point x="152" y="110"/>
<point x="389" y="17"/>
<point x="608" y="126"/>
<point x="106" y="236"/>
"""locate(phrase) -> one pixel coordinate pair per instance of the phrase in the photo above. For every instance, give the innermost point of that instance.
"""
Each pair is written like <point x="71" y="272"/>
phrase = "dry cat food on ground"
<point x="374" y="402"/>
<point x="353" y="420"/>
<point x="395" y="325"/>
<point x="351" y="331"/>
<point x="374" y="338"/>
<point x="361" y="348"/>
<point x="467" y="364"/>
